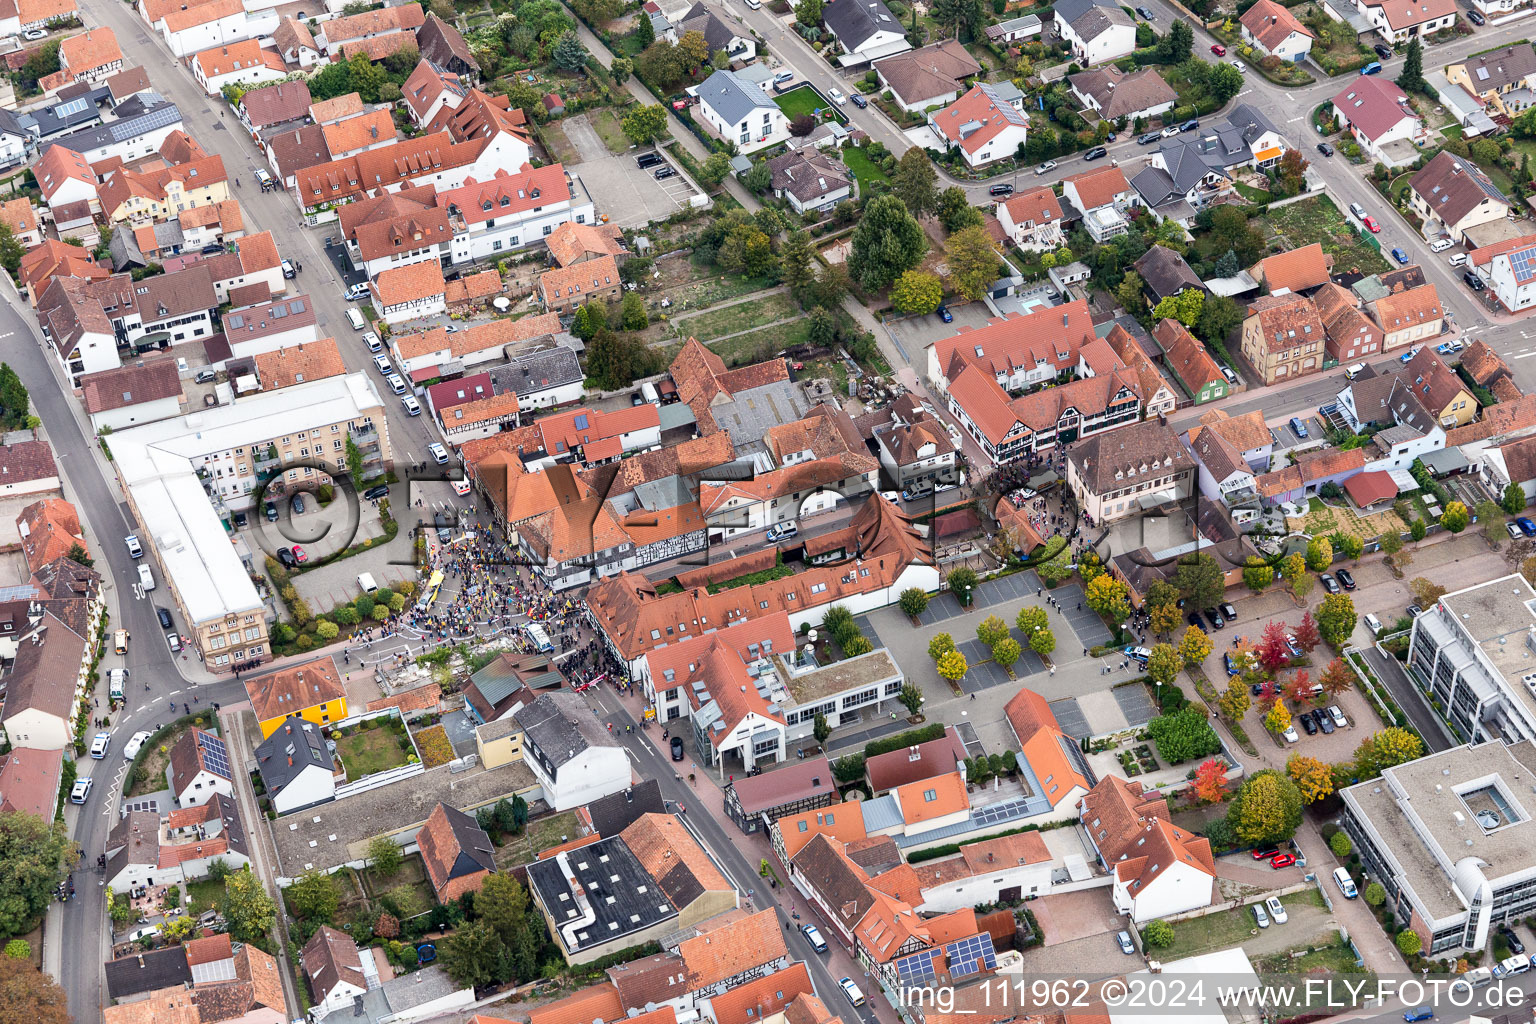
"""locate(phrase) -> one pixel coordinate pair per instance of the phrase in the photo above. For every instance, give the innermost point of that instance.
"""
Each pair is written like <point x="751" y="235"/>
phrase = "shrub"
<point x="1409" y="942"/>
<point x="1340" y="845"/>
<point x="1375" y="894"/>
<point x="1160" y="934"/>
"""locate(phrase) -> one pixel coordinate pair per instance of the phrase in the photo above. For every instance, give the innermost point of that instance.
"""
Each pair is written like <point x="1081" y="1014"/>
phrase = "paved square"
<point x="983" y="673"/>
<point x="1090" y="629"/>
<point x="869" y="631"/>
<point x="1070" y="717"/>
<point x="940" y="609"/>
<point x="1136" y="703"/>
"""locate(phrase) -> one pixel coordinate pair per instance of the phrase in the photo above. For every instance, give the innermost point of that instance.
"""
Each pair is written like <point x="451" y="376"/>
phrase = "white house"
<point x="1376" y="113"/>
<point x="1399" y="22"/>
<point x="409" y="292"/>
<point x="141" y="392"/>
<point x="242" y="63"/>
<point x="983" y="125"/>
<point x="296" y="767"/>
<point x="866" y="30"/>
<point x="810" y="180"/>
<point x="143" y="123"/>
<point x="1274" y="31"/>
<point x="1159" y="868"/>
<point x="1115" y="94"/>
<point x="1020" y="863"/>
<point x="194" y="28"/>
<point x="1507" y="269"/>
<point x="575" y="758"/>
<point x="1096" y="30"/>
<point x="1032" y="220"/>
<point x="198" y="769"/>
<point x="337" y="974"/>
<point x="512" y="210"/>
<point x="738" y="110"/>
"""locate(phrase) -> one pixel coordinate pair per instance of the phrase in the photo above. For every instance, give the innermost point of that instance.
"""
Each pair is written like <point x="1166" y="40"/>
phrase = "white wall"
<point x="597" y="772"/>
<point x="233" y="29"/>
<point x="1115" y="42"/>
<point x="37" y="729"/>
<point x="1179" y="888"/>
<point x="200" y="789"/>
<point x="133" y="415"/>
<point x="481" y="242"/>
<point x="1502" y="280"/>
<point x="314" y="785"/>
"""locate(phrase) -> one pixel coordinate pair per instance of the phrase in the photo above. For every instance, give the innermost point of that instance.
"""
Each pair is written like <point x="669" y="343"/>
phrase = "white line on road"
<point x="1525" y="355"/>
<point x="141" y="708"/>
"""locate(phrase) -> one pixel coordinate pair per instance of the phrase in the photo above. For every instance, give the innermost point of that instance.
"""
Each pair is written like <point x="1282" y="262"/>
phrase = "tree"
<point x="911" y="697"/>
<point x="1408" y="942"/>
<point x="914" y="601"/>
<point x="967" y="15"/>
<point x="1514" y="499"/>
<point x="1184" y="307"/>
<point x="1163" y="619"/>
<point x="1425" y="593"/>
<point x="820" y="327"/>
<point x="1042" y="642"/>
<point x="991" y="629"/>
<point x="1491" y="518"/>
<point x="1319" y="554"/>
<point x="1375" y="894"/>
<point x="385" y="856"/>
<point x="972" y="260"/>
<point x="1307" y="637"/>
<point x="632" y="316"/>
<point x="1225" y="81"/>
<point x="758" y="179"/>
<point x="1199" y="580"/>
<point x="1347" y="545"/>
<point x="1236" y="700"/>
<point x="1279" y="717"/>
<point x="27" y="994"/>
<point x="569" y="54"/>
<point x="1211" y="781"/>
<point x="1455" y="517"/>
<point x="1391" y="543"/>
<point x="11" y="250"/>
<point x="913" y="182"/>
<point x="886" y="243"/>
<point x="808" y="13"/>
<point x="1194" y="646"/>
<point x="940" y="645"/>
<point x="1183" y="735"/>
<point x="21" y="949"/>
<point x="1177" y="46"/>
<point x="645" y="32"/>
<point x="1218" y="317"/>
<point x="1159" y="934"/>
<point x="1257" y="574"/>
<point x="1109" y="597"/>
<point x="1294" y="568"/>
<point x="1412" y="78"/>
<point x="1336" y="678"/>
<point x="1130" y="294"/>
<point x="962" y="582"/>
<point x="1336" y="619"/>
<point x="955" y="210"/>
<point x="1385" y="749"/>
<point x="1340" y="844"/>
<point x="471" y="954"/>
<point x="1313" y="778"/>
<point x="917" y="292"/>
<point x="645" y="124"/>
<point x="1007" y="651"/>
<point x="802" y="125"/>
<point x="1266" y="809"/>
<point x="313" y="897"/>
<point x="621" y="69"/>
<point x="1030" y="618"/>
<point x="32" y="856"/>
<point x="1161" y="593"/>
<point x="247" y="907"/>
<point x="715" y="168"/>
<point x="952" y="666"/>
<point x="820" y="728"/>
<point x="1163" y="664"/>
<point x="695" y="46"/>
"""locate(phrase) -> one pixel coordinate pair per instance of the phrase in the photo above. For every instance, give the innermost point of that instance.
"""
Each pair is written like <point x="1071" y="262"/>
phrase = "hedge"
<point x="910" y="738"/>
<point x="949" y="849"/>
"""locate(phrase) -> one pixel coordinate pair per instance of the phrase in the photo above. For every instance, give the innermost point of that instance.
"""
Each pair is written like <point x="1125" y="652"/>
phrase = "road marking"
<point x="1525" y="355"/>
<point x="141" y="708"/>
<point x="1298" y="117"/>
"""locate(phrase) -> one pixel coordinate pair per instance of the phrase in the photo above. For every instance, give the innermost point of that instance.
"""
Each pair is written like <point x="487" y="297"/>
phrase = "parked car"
<point x="1126" y="946"/>
<point x="270" y="511"/>
<point x="663" y="173"/>
<point x="164" y="617"/>
<point x="1408" y="356"/>
<point x="1513" y="940"/>
<point x="945" y="314"/>
<point x="134" y="743"/>
<point x="645" y="161"/>
<point x="1441" y="245"/>
<point x="1337" y="714"/>
<point x="1383" y="51"/>
<point x="1414" y="611"/>
<point x="1046" y="168"/>
<point x="1229" y="611"/>
<point x="1266" y="852"/>
<point x="1097" y="152"/>
<point x="1233" y="668"/>
<point x="1242" y="68"/>
<point x="677" y="748"/>
<point x="1259" y="916"/>
<point x="80" y="791"/>
<point x="1215" y="618"/>
<point x="438" y="452"/>
<point x="34" y="34"/>
<point x="1373" y="68"/>
<point x="300" y="555"/>
<point x="1370" y="224"/>
<point x="1329" y="583"/>
<point x="1449" y="348"/>
<point x="374" y="493"/>
<point x="1476" y="17"/>
<point x="285" y="555"/>
<point x="1347" y="578"/>
<point x="836" y="96"/>
<point x="813" y="936"/>
<point x="1307" y="724"/>
<point x="1001" y="190"/>
<point x="859" y="100"/>
<point x="1473" y="281"/>
<point x="1513" y="531"/>
<point x="173" y="642"/>
<point x="357" y="291"/>
<point x="1276" y="910"/>
<point x="1323" y="722"/>
<point x="1218" y="49"/>
<point x="1419" y="1013"/>
<point x="1399" y="255"/>
<point x="1285" y="860"/>
<point x="1146" y="12"/>
<point x="1325" y="149"/>
<point x="1526" y="526"/>
<point x="99" y="745"/>
<point x="298" y="504"/>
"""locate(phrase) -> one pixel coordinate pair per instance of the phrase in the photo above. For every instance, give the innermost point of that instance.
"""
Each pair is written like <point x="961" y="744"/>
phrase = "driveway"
<point x="918" y="332"/>
<point x="630" y="196"/>
<point x="1068" y="916"/>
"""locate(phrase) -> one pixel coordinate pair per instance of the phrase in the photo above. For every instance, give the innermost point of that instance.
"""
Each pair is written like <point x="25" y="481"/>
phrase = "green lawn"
<point x="863" y="168"/>
<point x="203" y="896"/>
<point x="1319" y="220"/>
<point x="372" y="750"/>
<point x="806" y="100"/>
<point x="761" y="344"/>
<point x="606" y="123"/>
<point x="709" y="286"/>
<point x="1221" y="930"/>
<point x="739" y="317"/>
<point x="540" y="835"/>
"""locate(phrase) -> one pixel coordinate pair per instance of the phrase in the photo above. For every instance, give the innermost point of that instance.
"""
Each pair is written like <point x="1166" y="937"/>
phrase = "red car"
<point x="1370" y="222"/>
<point x="1218" y="49"/>
<point x="1285" y="860"/>
<point x="1265" y="853"/>
<point x="300" y="555"/>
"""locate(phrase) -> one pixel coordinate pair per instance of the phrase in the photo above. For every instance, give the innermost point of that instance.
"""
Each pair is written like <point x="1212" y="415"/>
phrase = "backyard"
<point x="540" y="835"/>
<point x="1338" y="48"/>
<point x="863" y="168"/>
<point x="807" y="101"/>
<point x="1318" y="220"/>
<point x="756" y="346"/>
<point x="1227" y="928"/>
<point x="606" y="123"/>
<point x="408" y="887"/>
<point x="739" y="317"/>
<point x="371" y="748"/>
<point x="204" y="896"/>
<point x="1322" y="519"/>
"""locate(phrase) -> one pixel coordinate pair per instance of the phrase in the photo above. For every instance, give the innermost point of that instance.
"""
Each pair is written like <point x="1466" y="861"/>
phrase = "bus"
<point x="429" y="595"/>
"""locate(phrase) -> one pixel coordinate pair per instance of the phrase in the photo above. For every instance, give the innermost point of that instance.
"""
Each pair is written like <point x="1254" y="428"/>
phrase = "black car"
<point x="1214" y="618"/>
<point x="1001" y="190"/>
<point x="1189" y="126"/>
<point x="1476" y="18"/>
<point x="665" y="172"/>
<point x="1194" y="619"/>
<point x="1473" y="281"/>
<point x="164" y="617"/>
<point x="444" y="527"/>
<point x="1323" y="722"/>
<point x="645" y="161"/>
<point x="1149" y="138"/>
<point x="1146" y="13"/>
<point x="1095" y="153"/>
<point x="285" y="555"/>
<point x="677" y="748"/>
<point x="1228" y="611"/>
<point x="1256" y="689"/>
<point x="859" y="101"/>
<point x="298" y="504"/>
<point x="1382" y="51"/>
<point x="1325" y="149"/>
<point x="1329" y="583"/>
<point x="1346" y="579"/>
<point x="270" y="510"/>
<point x="1307" y="724"/>
<point x="241" y="520"/>
<point x="373" y="493"/>
<point x="1515" y="945"/>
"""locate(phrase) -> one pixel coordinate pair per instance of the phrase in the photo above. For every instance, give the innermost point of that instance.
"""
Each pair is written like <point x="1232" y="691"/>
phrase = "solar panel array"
<point x="215" y="755"/>
<point x="1521" y="262"/>
<point x="918" y="969"/>
<point x="143" y="125"/>
<point x="968" y="956"/>
<point x="1002" y="811"/>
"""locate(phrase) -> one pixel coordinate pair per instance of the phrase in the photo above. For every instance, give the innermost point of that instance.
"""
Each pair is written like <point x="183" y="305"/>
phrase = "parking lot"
<point x="628" y="195"/>
<point x="915" y="333"/>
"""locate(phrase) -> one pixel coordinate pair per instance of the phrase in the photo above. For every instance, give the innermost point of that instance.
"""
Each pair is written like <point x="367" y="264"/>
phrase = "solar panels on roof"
<point x="968" y="956"/>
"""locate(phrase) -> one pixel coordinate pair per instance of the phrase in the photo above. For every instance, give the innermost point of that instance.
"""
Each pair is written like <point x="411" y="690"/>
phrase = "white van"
<point x="372" y="341"/>
<point x="366" y="583"/>
<point x="117" y="680"/>
<point x="146" y="577"/>
<point x="851" y="991"/>
<point x="1478" y="976"/>
<point x="1372" y="623"/>
<point x="1458" y="260"/>
<point x="355" y="319"/>
<point x="1350" y="373"/>
<point x="1345" y="883"/>
<point x="1512" y="965"/>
